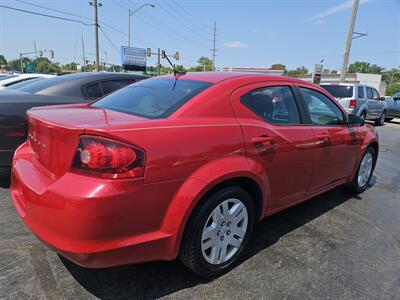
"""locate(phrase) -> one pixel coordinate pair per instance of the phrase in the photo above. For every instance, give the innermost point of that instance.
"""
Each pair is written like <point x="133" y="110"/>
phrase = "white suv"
<point x="359" y="99"/>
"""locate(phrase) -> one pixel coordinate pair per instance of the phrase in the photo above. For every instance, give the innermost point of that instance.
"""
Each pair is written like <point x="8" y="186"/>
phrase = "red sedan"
<point x="183" y="167"/>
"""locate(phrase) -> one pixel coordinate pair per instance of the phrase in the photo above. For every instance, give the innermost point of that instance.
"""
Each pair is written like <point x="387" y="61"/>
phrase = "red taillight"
<point x="108" y="158"/>
<point x="353" y="103"/>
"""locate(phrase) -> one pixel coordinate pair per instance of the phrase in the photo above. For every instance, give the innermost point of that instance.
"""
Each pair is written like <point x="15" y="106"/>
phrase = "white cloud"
<point x="235" y="44"/>
<point x="334" y="9"/>
<point x="263" y="31"/>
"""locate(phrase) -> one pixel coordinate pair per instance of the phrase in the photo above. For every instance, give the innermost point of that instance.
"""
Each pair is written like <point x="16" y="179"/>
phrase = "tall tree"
<point x="364" y="67"/>
<point x="278" y="67"/>
<point x="299" y="70"/>
<point x="205" y="61"/>
<point x="3" y="60"/>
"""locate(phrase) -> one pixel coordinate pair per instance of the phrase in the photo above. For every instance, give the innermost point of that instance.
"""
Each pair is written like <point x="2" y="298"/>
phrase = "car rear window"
<point x="339" y="91"/>
<point x="153" y="98"/>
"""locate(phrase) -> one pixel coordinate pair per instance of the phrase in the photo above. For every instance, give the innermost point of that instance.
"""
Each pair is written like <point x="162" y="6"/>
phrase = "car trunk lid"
<point x="54" y="132"/>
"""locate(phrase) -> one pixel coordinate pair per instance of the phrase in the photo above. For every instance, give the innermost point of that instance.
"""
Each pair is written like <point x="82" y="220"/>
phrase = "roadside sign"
<point x="133" y="59"/>
<point x="30" y="67"/>
<point x="317" y="73"/>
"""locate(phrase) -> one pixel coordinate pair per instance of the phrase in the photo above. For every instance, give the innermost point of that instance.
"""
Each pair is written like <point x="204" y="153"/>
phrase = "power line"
<point x="80" y="16"/>
<point x="180" y="15"/>
<point x="44" y="15"/>
<point x="52" y="9"/>
<point x="161" y="27"/>
<point x="193" y="18"/>
<point x="109" y="40"/>
<point x="174" y="18"/>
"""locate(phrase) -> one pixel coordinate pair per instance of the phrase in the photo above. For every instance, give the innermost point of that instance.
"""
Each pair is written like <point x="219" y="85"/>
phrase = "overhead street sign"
<point x="133" y="59"/>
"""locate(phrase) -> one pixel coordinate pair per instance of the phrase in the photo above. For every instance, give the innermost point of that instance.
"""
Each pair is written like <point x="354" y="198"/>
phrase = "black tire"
<point x="388" y="119"/>
<point x="363" y="115"/>
<point x="191" y="254"/>
<point x="381" y="120"/>
<point x="354" y="186"/>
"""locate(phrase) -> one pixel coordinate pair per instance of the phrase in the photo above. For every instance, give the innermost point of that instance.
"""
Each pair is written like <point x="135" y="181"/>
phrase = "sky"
<point x="248" y="33"/>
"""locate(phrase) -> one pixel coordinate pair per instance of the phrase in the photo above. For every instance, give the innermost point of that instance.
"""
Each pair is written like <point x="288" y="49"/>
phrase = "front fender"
<point x="196" y="186"/>
<point x="370" y="137"/>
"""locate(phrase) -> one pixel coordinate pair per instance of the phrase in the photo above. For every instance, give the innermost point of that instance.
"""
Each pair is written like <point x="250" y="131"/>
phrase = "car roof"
<point x="215" y="77"/>
<point x="70" y="85"/>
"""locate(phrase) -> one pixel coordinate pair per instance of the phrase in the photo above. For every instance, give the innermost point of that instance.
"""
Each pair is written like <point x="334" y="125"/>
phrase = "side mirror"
<point x="355" y="120"/>
<point x="382" y="98"/>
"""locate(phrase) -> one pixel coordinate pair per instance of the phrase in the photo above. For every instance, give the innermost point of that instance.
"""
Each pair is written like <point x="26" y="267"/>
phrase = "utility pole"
<point x="96" y="31"/>
<point x="214" y="49"/>
<point x="129" y="27"/>
<point x="84" y="57"/>
<point x="348" y="42"/>
<point x="158" y="61"/>
<point x="34" y="45"/>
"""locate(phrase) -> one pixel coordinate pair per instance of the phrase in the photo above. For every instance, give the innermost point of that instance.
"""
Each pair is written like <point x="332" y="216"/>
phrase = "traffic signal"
<point x="177" y="55"/>
<point x="163" y="55"/>
<point x="40" y="53"/>
<point x="148" y="52"/>
<point x="51" y="53"/>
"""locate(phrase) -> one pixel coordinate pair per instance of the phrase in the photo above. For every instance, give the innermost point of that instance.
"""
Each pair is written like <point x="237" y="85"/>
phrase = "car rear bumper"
<point x="95" y="223"/>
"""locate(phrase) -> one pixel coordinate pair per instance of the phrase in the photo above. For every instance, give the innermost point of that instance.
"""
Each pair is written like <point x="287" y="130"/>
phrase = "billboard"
<point x="133" y="59"/>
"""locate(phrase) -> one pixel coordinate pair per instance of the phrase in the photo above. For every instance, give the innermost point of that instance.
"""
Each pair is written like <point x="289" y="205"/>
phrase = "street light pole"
<point x="348" y="42"/>
<point x="130" y="13"/>
<point x="96" y="32"/>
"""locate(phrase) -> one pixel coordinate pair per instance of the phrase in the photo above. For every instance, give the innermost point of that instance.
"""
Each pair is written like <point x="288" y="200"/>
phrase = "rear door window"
<point x="274" y="104"/>
<point x="361" y="92"/>
<point x="153" y="98"/>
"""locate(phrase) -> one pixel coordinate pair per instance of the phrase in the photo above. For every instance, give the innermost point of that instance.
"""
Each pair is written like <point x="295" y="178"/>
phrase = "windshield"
<point x="21" y="84"/>
<point x="153" y="98"/>
<point x="339" y="91"/>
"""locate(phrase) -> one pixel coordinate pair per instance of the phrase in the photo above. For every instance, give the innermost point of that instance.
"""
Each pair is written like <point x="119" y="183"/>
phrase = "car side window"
<point x="376" y="94"/>
<point x="93" y="91"/>
<point x="321" y="109"/>
<point x="370" y="93"/>
<point x="111" y="85"/>
<point x="274" y="104"/>
<point x="361" y="92"/>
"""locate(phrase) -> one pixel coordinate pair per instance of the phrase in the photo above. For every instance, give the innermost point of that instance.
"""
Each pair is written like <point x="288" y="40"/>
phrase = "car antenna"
<point x="176" y="73"/>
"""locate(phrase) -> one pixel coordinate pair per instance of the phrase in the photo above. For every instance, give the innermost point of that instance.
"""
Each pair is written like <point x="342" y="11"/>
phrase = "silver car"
<point x="393" y="107"/>
<point x="359" y="99"/>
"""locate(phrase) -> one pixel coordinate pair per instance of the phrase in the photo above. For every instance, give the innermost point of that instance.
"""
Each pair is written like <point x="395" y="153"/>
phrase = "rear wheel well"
<point x="375" y="146"/>
<point x="247" y="184"/>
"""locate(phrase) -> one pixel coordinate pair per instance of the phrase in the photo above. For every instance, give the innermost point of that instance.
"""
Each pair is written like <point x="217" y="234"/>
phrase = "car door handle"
<point x="323" y="137"/>
<point x="265" y="140"/>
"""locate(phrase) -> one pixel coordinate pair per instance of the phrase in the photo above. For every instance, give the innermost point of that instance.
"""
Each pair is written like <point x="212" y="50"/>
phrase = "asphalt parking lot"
<point x="333" y="246"/>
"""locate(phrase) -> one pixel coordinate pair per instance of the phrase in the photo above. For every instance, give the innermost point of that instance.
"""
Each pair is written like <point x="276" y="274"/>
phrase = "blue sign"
<point x="133" y="59"/>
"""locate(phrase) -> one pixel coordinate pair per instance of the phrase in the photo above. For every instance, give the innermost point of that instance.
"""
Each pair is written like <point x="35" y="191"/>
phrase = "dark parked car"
<point x="67" y="89"/>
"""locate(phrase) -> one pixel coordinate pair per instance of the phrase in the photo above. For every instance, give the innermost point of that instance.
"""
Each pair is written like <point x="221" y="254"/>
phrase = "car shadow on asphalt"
<point x="158" y="279"/>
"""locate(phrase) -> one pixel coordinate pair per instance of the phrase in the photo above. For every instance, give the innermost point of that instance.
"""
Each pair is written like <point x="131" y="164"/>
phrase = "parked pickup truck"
<point x="359" y="99"/>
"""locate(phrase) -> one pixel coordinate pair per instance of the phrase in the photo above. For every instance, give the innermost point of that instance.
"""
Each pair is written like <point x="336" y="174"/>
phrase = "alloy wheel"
<point x="224" y="231"/>
<point x="365" y="170"/>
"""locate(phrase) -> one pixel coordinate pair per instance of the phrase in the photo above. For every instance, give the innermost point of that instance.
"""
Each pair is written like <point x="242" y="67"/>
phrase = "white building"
<point x="254" y="70"/>
<point x="374" y="80"/>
